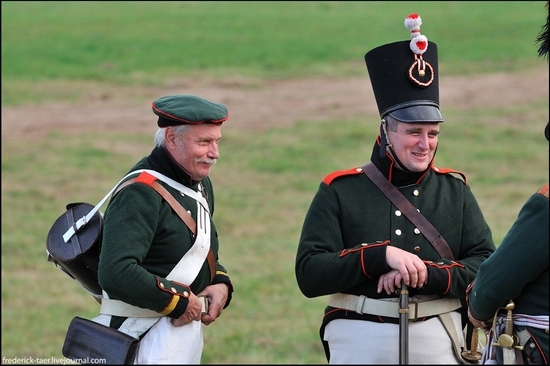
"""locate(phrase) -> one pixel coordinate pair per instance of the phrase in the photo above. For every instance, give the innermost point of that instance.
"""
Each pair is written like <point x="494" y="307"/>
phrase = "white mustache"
<point x="207" y="160"/>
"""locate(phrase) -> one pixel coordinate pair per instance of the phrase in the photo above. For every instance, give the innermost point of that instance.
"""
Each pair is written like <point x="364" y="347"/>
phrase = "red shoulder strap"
<point x="329" y="178"/>
<point x="146" y="179"/>
<point x="544" y="190"/>
<point x="449" y="171"/>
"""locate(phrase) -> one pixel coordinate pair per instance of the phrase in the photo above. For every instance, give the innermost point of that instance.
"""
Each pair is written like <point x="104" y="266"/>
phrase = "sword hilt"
<point x="507" y="339"/>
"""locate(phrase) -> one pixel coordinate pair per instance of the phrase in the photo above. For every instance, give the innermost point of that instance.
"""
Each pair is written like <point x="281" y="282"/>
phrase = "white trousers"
<point x="364" y="342"/>
<point x="167" y="344"/>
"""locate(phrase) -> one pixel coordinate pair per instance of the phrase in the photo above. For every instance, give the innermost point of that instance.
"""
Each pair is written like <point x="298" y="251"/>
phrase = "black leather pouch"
<point x="88" y="342"/>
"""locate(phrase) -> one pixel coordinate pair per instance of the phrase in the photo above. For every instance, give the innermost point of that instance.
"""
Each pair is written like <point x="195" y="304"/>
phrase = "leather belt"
<point x="419" y="307"/>
<point x="120" y="308"/>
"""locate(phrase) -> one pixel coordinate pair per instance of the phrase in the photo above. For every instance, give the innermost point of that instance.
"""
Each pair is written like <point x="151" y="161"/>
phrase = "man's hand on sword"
<point x="405" y="266"/>
<point x="482" y="324"/>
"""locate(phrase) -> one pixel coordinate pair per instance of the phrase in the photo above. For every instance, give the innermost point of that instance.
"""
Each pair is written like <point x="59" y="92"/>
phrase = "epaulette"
<point x="339" y="173"/>
<point x="544" y="190"/>
<point x="450" y="171"/>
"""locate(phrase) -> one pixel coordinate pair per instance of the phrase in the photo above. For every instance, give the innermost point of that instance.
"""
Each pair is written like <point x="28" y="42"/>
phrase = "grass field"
<point x="266" y="177"/>
<point x="147" y="43"/>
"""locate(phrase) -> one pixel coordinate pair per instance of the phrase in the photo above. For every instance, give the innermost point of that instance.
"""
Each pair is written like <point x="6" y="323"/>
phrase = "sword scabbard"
<point x="403" y="310"/>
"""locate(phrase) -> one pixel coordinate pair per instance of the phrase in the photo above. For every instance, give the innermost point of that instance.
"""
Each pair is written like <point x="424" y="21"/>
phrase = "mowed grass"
<point x="265" y="179"/>
<point x="150" y="42"/>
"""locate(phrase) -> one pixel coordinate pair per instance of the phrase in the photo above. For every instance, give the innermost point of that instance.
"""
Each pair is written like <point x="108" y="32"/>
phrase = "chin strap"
<point x="383" y="138"/>
<point x="401" y="165"/>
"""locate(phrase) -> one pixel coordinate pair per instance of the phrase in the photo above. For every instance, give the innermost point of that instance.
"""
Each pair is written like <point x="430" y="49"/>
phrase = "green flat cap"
<point x="181" y="109"/>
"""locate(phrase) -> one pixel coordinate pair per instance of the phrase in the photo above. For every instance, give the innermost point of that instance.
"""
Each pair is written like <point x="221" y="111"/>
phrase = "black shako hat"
<point x="183" y="109"/>
<point x="404" y="77"/>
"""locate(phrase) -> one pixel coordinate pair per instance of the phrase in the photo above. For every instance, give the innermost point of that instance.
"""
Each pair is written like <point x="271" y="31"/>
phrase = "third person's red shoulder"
<point x="543" y="190"/>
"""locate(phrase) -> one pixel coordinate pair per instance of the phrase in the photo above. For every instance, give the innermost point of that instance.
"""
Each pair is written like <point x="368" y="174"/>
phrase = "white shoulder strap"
<point x="186" y="190"/>
<point x="180" y="187"/>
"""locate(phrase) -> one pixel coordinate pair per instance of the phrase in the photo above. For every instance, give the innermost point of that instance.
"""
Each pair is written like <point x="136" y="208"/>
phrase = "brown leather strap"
<point x="399" y="200"/>
<point x="183" y="215"/>
<point x="122" y="185"/>
<point x="176" y="206"/>
<point x="211" y="264"/>
<point x="188" y="220"/>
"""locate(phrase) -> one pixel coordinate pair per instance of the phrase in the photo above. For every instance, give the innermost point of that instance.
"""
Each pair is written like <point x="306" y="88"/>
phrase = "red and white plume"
<point x="419" y="42"/>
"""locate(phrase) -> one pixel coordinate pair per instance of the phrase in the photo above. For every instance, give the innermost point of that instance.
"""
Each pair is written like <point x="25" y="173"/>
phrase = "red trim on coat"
<point x="446" y="268"/>
<point x="360" y="249"/>
<point x="544" y="190"/>
<point x="340" y="173"/>
<point x="146" y="179"/>
<point x="449" y="171"/>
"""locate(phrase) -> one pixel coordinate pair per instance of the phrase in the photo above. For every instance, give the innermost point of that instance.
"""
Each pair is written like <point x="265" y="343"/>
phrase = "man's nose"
<point x="213" y="151"/>
<point x="424" y="141"/>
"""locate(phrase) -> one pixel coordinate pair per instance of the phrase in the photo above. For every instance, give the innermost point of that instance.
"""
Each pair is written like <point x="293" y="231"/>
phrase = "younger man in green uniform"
<point x="357" y="246"/>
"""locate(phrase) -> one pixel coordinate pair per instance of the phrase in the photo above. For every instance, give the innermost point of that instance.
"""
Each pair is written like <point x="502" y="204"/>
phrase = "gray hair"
<point x="391" y="123"/>
<point x="160" y="138"/>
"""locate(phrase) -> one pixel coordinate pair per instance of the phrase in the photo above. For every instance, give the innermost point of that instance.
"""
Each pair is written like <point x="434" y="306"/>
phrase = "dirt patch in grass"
<point x="256" y="103"/>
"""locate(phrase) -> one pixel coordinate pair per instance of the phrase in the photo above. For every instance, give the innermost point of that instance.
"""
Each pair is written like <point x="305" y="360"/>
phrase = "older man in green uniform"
<point x="518" y="272"/>
<point x="145" y="241"/>
<point x="357" y="246"/>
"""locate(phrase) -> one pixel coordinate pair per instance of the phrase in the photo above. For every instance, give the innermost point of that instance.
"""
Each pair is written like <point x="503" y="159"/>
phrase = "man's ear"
<point x="170" y="137"/>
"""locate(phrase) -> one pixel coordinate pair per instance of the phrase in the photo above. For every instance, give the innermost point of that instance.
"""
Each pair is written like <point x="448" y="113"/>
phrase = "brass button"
<point x="397" y="213"/>
<point x="189" y="212"/>
<point x="364" y="244"/>
<point x="182" y="194"/>
<point x="161" y="285"/>
<point x="397" y="232"/>
<point x="416" y="231"/>
<point x="416" y="249"/>
<point x="358" y="170"/>
<point x="415" y="192"/>
<point x="440" y="263"/>
<point x="173" y="290"/>
<point x="185" y="294"/>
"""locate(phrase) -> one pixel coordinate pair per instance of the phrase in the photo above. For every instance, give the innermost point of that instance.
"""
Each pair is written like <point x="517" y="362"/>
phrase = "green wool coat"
<point x="518" y="269"/>
<point x="143" y="239"/>
<point x="350" y="223"/>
